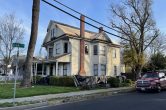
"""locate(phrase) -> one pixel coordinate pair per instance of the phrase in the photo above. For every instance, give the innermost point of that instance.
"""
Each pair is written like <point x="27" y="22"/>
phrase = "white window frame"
<point x="65" y="69"/>
<point x="49" y="52"/>
<point x="95" y="53"/>
<point x="115" y="70"/>
<point x="95" y="69"/>
<point x="103" y="50"/>
<point x="57" y="48"/>
<point x="114" y="53"/>
<point x="103" y="70"/>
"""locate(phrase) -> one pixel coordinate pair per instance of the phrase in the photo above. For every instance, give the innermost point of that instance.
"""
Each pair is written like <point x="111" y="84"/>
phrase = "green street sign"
<point x="18" y="45"/>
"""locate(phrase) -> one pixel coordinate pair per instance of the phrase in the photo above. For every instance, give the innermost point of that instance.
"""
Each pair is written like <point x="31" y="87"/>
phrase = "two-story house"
<point x="68" y="52"/>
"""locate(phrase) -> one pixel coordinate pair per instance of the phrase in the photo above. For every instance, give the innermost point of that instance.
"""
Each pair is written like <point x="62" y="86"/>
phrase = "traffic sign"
<point x="18" y="45"/>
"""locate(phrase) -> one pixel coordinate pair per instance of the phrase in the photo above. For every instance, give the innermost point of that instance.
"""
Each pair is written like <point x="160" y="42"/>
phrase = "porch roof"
<point x="61" y="58"/>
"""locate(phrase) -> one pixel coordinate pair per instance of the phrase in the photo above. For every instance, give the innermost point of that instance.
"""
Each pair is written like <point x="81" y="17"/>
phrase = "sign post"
<point x="18" y="45"/>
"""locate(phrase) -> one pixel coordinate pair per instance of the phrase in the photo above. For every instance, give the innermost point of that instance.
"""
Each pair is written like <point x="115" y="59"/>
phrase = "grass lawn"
<point x="6" y="90"/>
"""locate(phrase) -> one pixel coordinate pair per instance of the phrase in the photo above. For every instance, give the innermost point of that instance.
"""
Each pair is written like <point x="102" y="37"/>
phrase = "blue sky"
<point x="97" y="9"/>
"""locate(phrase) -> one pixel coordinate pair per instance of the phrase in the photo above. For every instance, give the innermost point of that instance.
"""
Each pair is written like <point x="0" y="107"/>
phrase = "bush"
<point x="38" y="79"/>
<point x="114" y="82"/>
<point x="129" y="81"/>
<point x="41" y="80"/>
<point x="61" y="81"/>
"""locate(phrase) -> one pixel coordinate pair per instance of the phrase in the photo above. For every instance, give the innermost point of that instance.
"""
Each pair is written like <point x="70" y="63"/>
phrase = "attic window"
<point x="52" y="33"/>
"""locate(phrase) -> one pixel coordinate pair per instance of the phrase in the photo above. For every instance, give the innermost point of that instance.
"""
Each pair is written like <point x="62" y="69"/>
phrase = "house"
<point x="72" y="51"/>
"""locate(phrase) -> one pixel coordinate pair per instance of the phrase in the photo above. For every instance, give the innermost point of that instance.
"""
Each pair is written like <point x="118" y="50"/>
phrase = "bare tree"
<point x="26" y="82"/>
<point x="158" y="45"/>
<point x="11" y="31"/>
<point x="134" y="21"/>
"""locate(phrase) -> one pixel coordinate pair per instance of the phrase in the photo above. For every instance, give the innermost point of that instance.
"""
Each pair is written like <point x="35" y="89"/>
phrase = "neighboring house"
<point x="94" y="54"/>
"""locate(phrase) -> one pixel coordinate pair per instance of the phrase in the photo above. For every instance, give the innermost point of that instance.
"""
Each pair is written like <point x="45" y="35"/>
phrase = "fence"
<point x="9" y="78"/>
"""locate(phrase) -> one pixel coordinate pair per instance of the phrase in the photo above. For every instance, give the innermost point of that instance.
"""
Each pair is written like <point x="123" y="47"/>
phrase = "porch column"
<point x="57" y="74"/>
<point x="54" y="70"/>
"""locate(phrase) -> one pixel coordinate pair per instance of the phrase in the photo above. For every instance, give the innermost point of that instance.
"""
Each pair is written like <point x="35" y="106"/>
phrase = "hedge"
<point x="61" y="81"/>
<point x="114" y="82"/>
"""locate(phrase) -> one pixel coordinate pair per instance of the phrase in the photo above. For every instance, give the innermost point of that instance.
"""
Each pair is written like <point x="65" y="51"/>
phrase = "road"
<point x="127" y="101"/>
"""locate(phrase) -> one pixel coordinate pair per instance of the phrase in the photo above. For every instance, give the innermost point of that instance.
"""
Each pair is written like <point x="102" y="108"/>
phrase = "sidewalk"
<point x="65" y="97"/>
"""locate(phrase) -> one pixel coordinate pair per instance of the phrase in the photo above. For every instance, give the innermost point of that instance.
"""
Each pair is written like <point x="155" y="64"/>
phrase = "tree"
<point x="158" y="45"/>
<point x="157" y="62"/>
<point x="133" y="20"/>
<point x="26" y="82"/>
<point x="11" y="31"/>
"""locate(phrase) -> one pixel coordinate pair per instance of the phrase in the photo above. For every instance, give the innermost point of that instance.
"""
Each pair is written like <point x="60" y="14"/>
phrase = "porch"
<point x="51" y="69"/>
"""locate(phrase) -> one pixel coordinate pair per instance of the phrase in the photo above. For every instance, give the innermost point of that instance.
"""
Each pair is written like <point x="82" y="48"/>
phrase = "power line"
<point x="81" y="20"/>
<point x="86" y="16"/>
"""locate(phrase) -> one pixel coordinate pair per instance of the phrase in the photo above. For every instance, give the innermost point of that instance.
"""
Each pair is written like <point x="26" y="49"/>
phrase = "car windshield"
<point x="150" y="75"/>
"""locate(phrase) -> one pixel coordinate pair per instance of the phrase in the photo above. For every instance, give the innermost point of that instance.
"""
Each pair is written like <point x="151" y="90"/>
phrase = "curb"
<point x="69" y="98"/>
<point x="22" y="107"/>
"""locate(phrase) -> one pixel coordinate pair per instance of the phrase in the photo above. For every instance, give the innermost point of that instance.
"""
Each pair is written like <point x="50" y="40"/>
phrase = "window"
<point x="64" y="69"/>
<point x="103" y="69"/>
<point x="115" y="70"/>
<point x="65" y="47"/>
<point x="86" y="49"/>
<point x="114" y="53"/>
<point x="103" y="50"/>
<point x="95" y="50"/>
<point x="57" y="48"/>
<point x="50" y="52"/>
<point x="59" y="69"/>
<point x="95" y="69"/>
<point x="52" y="33"/>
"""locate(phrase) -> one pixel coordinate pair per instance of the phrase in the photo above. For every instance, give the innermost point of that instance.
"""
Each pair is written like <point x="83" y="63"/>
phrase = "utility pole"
<point x="26" y="82"/>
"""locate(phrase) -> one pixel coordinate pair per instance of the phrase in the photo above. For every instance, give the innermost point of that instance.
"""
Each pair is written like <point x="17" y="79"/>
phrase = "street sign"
<point x="18" y="45"/>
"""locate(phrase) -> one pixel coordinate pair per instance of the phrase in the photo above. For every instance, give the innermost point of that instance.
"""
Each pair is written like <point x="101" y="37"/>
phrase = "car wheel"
<point x="158" y="88"/>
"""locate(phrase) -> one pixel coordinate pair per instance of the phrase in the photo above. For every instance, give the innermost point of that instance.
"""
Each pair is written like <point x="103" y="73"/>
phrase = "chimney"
<point x="82" y="46"/>
<point x="100" y="29"/>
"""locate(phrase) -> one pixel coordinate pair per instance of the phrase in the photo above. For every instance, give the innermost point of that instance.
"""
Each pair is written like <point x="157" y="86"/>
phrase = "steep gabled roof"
<point x="75" y="31"/>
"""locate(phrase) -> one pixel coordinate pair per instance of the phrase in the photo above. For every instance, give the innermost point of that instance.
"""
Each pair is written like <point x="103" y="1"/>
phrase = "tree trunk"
<point x="26" y="82"/>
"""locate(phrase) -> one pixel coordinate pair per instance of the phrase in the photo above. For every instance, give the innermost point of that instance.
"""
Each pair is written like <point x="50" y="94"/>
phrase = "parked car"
<point x="151" y="81"/>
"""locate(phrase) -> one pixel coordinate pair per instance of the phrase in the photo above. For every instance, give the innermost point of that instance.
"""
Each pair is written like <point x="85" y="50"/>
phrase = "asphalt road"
<point x="127" y="101"/>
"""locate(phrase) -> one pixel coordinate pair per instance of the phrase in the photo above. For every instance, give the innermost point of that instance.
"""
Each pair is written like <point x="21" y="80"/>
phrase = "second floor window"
<point x="57" y="47"/>
<point x="66" y="47"/>
<point x="50" y="52"/>
<point x="114" y="53"/>
<point x="95" y="50"/>
<point x="103" y="50"/>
